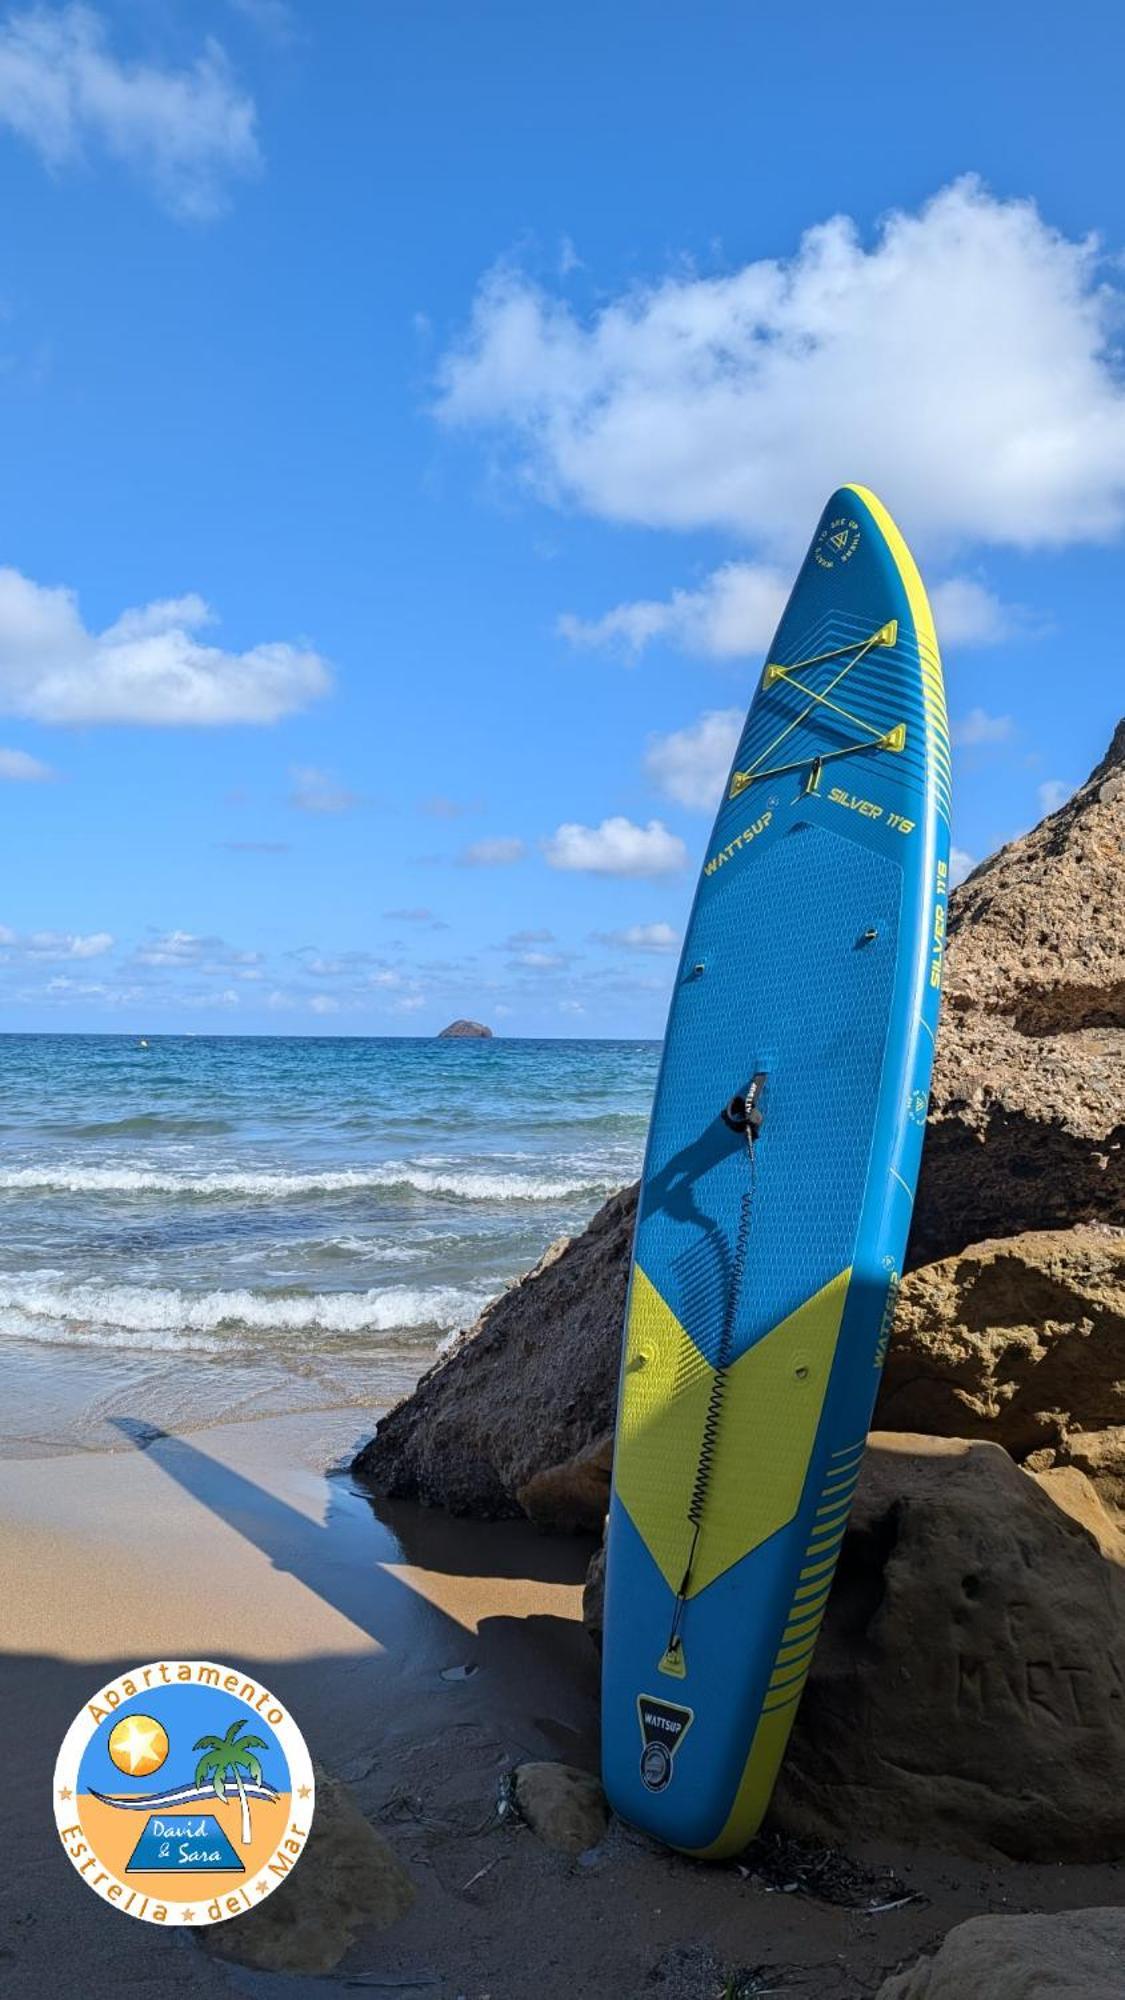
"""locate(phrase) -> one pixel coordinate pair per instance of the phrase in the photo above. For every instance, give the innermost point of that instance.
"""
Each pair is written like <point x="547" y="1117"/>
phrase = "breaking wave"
<point x="279" y="1184"/>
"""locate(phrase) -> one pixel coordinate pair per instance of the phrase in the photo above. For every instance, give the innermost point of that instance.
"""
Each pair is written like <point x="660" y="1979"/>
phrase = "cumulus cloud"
<point x="616" y="847"/>
<point x="967" y="614"/>
<point x="979" y="728"/>
<point x="150" y="666"/>
<point x="316" y="791"/>
<point x="497" y="852"/>
<point x="961" y="362"/>
<point x="53" y="945"/>
<point x="961" y="863"/>
<point x="642" y="937"/>
<point x="185" y="131"/>
<point x="691" y="764"/>
<point x="17" y="767"/>
<point x="735" y="611"/>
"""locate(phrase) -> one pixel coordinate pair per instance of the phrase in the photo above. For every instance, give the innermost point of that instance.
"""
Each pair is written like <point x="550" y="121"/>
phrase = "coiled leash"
<point x="744" y="1115"/>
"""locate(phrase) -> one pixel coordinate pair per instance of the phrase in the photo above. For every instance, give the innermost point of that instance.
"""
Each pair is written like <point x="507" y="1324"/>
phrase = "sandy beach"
<point x="231" y="1541"/>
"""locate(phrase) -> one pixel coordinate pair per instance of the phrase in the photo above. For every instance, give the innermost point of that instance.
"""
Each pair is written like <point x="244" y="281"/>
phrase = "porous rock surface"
<point x="970" y="1674"/>
<point x="1021" y="1340"/>
<point x="564" y="1806"/>
<point x="1027" y="1120"/>
<point x="1069" y="1955"/>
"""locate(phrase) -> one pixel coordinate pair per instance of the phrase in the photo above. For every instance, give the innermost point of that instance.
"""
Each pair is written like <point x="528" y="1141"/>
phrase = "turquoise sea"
<point x="309" y="1218"/>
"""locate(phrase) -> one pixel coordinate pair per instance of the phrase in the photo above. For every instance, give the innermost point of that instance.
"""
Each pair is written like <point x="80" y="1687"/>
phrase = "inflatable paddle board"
<point x="777" y="1191"/>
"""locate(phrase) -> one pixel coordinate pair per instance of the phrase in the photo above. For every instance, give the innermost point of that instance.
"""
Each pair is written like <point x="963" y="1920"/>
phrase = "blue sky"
<point x="412" y="416"/>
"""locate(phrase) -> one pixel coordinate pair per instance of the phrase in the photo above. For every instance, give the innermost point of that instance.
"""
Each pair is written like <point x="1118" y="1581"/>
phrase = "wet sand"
<point x="229" y="1542"/>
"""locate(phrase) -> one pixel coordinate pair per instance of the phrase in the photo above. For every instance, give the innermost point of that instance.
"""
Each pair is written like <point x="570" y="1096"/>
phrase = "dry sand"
<point x="228" y="1542"/>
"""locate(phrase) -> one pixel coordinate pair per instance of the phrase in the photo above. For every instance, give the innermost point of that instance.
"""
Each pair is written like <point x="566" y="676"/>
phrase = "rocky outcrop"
<point x="1021" y="1340"/>
<point x="1027" y="1124"/>
<point x="532" y="1385"/>
<point x="970" y="1675"/>
<point x="348" y="1879"/>
<point x="465" y="1031"/>
<point x="1070" y="1955"/>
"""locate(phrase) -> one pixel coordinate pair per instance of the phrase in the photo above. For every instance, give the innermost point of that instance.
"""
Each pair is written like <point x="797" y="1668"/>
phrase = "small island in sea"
<point x="465" y="1031"/>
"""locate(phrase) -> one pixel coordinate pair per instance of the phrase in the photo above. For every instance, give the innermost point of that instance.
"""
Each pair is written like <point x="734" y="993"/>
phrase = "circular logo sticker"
<point x="837" y="543"/>
<point x="656" y="1766"/>
<point x="184" y="1792"/>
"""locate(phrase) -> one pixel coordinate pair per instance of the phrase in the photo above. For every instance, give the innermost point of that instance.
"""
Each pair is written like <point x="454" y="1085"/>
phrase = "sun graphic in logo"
<point x="137" y="1745"/>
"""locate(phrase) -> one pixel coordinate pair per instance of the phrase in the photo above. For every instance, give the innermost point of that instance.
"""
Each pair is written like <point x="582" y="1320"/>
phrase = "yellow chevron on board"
<point x="770" y="1415"/>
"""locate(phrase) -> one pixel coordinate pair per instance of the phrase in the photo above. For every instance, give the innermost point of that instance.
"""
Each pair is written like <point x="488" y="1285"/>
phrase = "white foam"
<point x="279" y="1184"/>
<point x="39" y="1307"/>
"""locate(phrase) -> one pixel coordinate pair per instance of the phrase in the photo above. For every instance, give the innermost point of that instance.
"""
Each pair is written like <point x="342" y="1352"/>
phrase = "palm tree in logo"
<point x="227" y="1757"/>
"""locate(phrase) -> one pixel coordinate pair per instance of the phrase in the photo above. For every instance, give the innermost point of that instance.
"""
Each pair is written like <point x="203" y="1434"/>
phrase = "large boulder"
<point x="1069" y="1955"/>
<point x="1027" y="1120"/>
<point x="528" y="1388"/>
<point x="969" y="1683"/>
<point x="1021" y="1340"/>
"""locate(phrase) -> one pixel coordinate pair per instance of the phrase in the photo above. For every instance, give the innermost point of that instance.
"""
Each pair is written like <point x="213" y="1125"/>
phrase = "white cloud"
<point x="17" y="767"/>
<point x="149" y="666"/>
<point x="961" y="363"/>
<point x="1053" y="793"/>
<point x="53" y="945"/>
<point x="616" y="847"/>
<point x="734" y="612"/>
<point x="642" y="937"/>
<point x="961" y="864"/>
<point x="316" y="791"/>
<point x="184" y="949"/>
<point x="323" y="1003"/>
<point x="538" y="961"/>
<point x="966" y="614"/>
<point x="978" y="727"/>
<point x="497" y="852"/>
<point x="691" y="764"/>
<point x="186" y="131"/>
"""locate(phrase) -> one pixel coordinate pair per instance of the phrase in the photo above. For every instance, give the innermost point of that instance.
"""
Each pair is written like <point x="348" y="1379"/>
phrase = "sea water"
<point x="312" y="1216"/>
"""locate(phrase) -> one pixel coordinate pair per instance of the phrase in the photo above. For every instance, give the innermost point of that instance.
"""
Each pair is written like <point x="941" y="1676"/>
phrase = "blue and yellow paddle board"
<point x="777" y="1190"/>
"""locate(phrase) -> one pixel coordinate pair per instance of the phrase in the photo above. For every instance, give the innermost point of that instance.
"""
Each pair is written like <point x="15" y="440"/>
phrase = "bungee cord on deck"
<point x="888" y="739"/>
